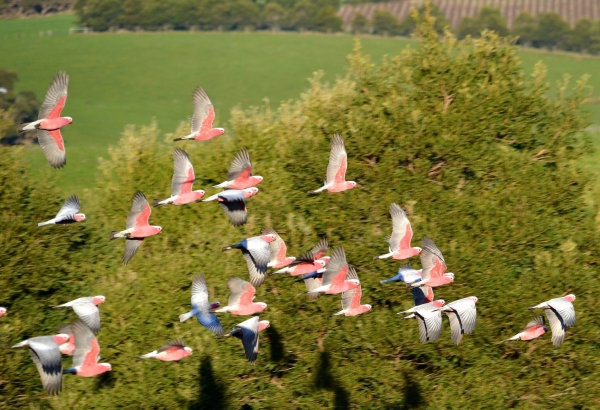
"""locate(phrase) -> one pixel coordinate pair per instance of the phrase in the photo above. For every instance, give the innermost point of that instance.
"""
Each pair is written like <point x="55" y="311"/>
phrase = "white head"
<point x="351" y="184"/>
<point x="61" y="338"/>
<point x="258" y="178"/>
<point x="248" y="192"/>
<point x="320" y="262"/>
<point x="473" y="298"/>
<point x="449" y="275"/>
<point x="159" y="228"/>
<point x="354" y="281"/>
<point x="69" y="119"/>
<point x="263" y="304"/>
<point x="106" y="366"/>
<point x="80" y="217"/>
<point x="188" y="349"/>
<point x="268" y="237"/>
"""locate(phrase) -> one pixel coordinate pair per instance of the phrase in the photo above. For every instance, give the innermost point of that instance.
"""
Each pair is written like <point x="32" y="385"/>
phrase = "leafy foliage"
<point x="478" y="155"/>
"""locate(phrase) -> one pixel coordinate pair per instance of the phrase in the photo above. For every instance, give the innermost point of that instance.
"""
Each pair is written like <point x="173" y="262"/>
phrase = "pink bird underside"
<point x="69" y="347"/>
<point x="339" y="183"/>
<point x="206" y="131"/>
<point x="437" y="277"/>
<point x="186" y="186"/>
<point x="244" y="180"/>
<point x="90" y="366"/>
<point x="172" y="354"/>
<point x="282" y="260"/>
<point x="405" y="251"/>
<point x="303" y="268"/>
<point x="533" y="332"/>
<point x="53" y="123"/>
<point x="247" y="310"/>
<point x="188" y="198"/>
<point x="355" y="307"/>
<point x="438" y="281"/>
<point x="141" y="232"/>
<point x="339" y="283"/>
<point x="58" y="139"/>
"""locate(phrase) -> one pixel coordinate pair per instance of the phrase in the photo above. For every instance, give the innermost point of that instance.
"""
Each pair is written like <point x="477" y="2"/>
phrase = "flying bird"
<point x="335" y="277"/>
<point x="247" y="332"/>
<point x="137" y="226"/>
<point x="181" y="184"/>
<point x="87" y="353"/>
<point x="173" y="351"/>
<point x="45" y="353"/>
<point x="240" y="173"/>
<point x="401" y="236"/>
<point x="312" y="281"/>
<point x="561" y="315"/>
<point x="405" y="274"/>
<point x="427" y="313"/>
<point x="3" y="311"/>
<point x="278" y="248"/>
<point x="67" y="347"/>
<point x="308" y="262"/>
<point x="434" y="267"/>
<point x="233" y="202"/>
<point x="201" y="308"/>
<point x="241" y="300"/>
<point x="351" y="298"/>
<point x="87" y="310"/>
<point x="533" y="330"/>
<point x="336" y="170"/>
<point x="256" y="251"/>
<point x="50" y="122"/>
<point x="462" y="315"/>
<point x="202" y="119"/>
<point x="68" y="214"/>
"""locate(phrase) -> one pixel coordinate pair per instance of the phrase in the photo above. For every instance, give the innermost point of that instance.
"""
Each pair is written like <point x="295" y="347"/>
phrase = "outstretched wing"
<point x="56" y="97"/>
<point x="236" y="211"/>
<point x="338" y="161"/>
<point x="430" y="325"/>
<point x="183" y="173"/>
<point x="45" y="353"/>
<point x="241" y="166"/>
<point x="53" y="147"/>
<point x="337" y="268"/>
<point x="351" y="298"/>
<point x="89" y="313"/>
<point x="70" y="207"/>
<point x="204" y="112"/>
<point x="87" y="349"/>
<point x="257" y="273"/>
<point x="131" y="247"/>
<point x="140" y="211"/>
<point x="431" y="259"/>
<point x="177" y="343"/>
<point x="401" y="229"/>
<point x="422" y="295"/>
<point x="242" y="292"/>
<point x="249" y="330"/>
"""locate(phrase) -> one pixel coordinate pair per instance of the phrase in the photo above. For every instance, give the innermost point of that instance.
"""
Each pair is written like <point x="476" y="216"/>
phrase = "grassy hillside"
<point x="134" y="78"/>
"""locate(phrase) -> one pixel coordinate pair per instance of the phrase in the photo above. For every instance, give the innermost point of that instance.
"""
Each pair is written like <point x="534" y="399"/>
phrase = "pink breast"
<point x="54" y="123"/>
<point x="144" y="232"/>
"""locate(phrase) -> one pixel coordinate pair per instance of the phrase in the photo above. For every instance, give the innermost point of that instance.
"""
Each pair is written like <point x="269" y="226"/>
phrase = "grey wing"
<point x="429" y="254"/>
<point x="236" y="212"/>
<point x="456" y="327"/>
<point x="430" y="326"/>
<point x="337" y="156"/>
<point x="250" y="338"/>
<point x="468" y="318"/>
<point x="565" y="310"/>
<point x="58" y="89"/>
<point x="66" y="329"/>
<point x="557" y="325"/>
<point x="240" y="162"/>
<point x="70" y="207"/>
<point x="90" y="314"/>
<point x="181" y="170"/>
<point x="321" y="247"/>
<point x="260" y="251"/>
<point x="172" y="343"/>
<point x="45" y="353"/>
<point x="131" y="247"/>
<point x="257" y="273"/>
<point x="335" y="265"/>
<point x="347" y="297"/>
<point x="313" y="283"/>
<point x="399" y="225"/>
<point x="535" y="322"/>
<point x="200" y="293"/>
<point x="275" y="245"/>
<point x="202" y="107"/>
<point x="56" y="156"/>
<point x="237" y="286"/>
<point x="83" y="341"/>
<point x="138" y="204"/>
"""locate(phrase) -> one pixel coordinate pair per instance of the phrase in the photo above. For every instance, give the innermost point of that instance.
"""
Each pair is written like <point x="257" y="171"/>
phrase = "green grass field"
<point x="133" y="78"/>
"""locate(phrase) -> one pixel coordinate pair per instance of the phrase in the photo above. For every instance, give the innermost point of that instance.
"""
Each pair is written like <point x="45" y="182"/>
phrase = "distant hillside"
<point x="455" y="10"/>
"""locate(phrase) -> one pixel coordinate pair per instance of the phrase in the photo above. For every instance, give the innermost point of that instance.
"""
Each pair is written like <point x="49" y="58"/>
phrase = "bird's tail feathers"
<point x="23" y="343"/>
<point x="160" y="202"/>
<point x="341" y="312"/>
<point x="28" y="126"/>
<point x="385" y="256"/>
<point x="45" y="223"/>
<point x="187" y="137"/>
<point x="222" y="185"/>
<point x="116" y="235"/>
<point x="149" y="355"/>
<point x="211" y="198"/>
<point x="186" y="316"/>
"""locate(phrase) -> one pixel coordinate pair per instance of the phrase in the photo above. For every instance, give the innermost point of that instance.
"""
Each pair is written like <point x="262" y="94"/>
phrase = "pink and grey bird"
<point x="405" y="274"/>
<point x="401" y="236"/>
<point x="45" y="353"/>
<point x="202" y="119"/>
<point x="87" y="310"/>
<point x="137" y="226"/>
<point x="308" y="262"/>
<point x="427" y="313"/>
<point x="256" y="251"/>
<point x="336" y="169"/>
<point x="247" y="332"/>
<point x="277" y="258"/>
<point x="68" y="214"/>
<point x="87" y="353"/>
<point x="173" y="351"/>
<point x="240" y="173"/>
<point x="233" y="202"/>
<point x="335" y="278"/>
<point x="351" y="298"/>
<point x="181" y="184"/>
<point x="241" y="300"/>
<point x="462" y="315"/>
<point x="434" y="267"/>
<point x="201" y="308"/>
<point x="533" y="330"/>
<point x="67" y="347"/>
<point x="561" y="315"/>
<point x="3" y="311"/>
<point x="50" y="122"/>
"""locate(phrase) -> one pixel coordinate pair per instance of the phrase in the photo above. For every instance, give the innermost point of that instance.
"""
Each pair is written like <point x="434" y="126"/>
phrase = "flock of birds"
<point x="321" y="274"/>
